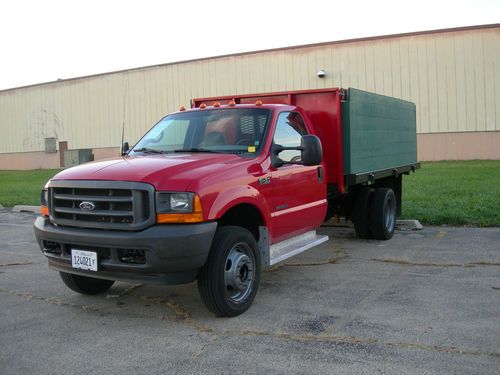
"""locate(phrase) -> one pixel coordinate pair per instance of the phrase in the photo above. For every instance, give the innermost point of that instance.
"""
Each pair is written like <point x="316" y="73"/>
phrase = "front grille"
<point x="113" y="205"/>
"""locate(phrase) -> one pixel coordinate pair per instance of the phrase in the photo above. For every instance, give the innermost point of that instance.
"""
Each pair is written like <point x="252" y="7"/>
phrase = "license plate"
<point x="84" y="260"/>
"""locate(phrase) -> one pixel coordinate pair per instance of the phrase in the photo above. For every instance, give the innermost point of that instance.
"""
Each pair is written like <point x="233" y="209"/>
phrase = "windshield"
<point x="232" y="131"/>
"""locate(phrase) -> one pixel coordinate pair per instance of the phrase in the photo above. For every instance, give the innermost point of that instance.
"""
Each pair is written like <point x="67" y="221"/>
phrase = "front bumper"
<point x="172" y="253"/>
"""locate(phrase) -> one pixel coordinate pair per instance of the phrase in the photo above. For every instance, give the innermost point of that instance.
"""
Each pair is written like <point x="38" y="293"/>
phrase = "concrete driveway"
<point x="425" y="302"/>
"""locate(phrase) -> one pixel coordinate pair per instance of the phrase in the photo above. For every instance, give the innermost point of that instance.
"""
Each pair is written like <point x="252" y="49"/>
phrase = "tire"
<point x="360" y="212"/>
<point x="230" y="278"/>
<point x="84" y="284"/>
<point x="383" y="212"/>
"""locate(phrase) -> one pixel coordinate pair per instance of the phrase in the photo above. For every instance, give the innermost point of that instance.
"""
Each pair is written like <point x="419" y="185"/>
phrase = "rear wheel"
<point x="84" y="284"/>
<point x="360" y="212"/>
<point x="229" y="280"/>
<point x="383" y="211"/>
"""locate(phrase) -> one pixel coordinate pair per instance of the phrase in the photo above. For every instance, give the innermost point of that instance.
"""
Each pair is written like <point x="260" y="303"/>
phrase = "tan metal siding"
<point x="453" y="78"/>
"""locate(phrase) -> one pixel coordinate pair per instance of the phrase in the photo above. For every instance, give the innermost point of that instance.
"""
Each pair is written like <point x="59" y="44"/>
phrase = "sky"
<point x="42" y="41"/>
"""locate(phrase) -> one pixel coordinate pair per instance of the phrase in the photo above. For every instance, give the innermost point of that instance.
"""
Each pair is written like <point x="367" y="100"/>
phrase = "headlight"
<point x="178" y="208"/>
<point x="44" y="197"/>
<point x="180" y="201"/>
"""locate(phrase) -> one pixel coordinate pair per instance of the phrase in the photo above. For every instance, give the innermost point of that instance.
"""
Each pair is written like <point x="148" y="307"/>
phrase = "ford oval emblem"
<point x="87" y="206"/>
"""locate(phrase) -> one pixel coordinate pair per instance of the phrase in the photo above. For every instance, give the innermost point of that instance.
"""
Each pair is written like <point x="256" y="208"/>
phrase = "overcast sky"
<point x="43" y="40"/>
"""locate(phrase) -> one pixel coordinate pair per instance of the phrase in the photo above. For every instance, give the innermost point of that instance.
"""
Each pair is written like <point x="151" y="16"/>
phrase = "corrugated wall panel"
<point x="489" y="85"/>
<point x="461" y="90"/>
<point x="452" y="85"/>
<point x="453" y="78"/>
<point x="470" y="83"/>
<point x="479" y="81"/>
<point x="432" y="84"/>
<point x="496" y="71"/>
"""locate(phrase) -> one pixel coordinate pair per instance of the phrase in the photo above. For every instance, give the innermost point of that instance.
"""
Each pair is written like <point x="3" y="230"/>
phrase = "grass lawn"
<point x="454" y="193"/>
<point x="23" y="187"/>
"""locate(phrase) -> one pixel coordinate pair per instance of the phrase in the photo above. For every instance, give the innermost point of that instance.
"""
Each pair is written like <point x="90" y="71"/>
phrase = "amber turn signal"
<point x="44" y="210"/>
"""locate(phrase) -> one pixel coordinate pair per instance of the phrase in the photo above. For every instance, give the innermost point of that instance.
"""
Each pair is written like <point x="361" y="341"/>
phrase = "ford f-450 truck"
<point x="234" y="184"/>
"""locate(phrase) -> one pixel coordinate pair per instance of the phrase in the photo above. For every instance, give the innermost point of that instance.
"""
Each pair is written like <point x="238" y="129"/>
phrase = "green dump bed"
<point x="379" y="136"/>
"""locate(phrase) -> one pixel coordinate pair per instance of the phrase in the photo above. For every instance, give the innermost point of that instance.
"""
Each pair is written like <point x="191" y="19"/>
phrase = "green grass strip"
<point x="454" y="193"/>
<point x="23" y="187"/>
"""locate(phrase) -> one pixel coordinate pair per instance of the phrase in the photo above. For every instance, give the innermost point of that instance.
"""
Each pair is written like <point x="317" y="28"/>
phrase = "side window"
<point x="289" y="130"/>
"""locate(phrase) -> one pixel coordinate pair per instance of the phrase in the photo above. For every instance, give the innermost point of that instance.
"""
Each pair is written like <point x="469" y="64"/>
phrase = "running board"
<point x="283" y="250"/>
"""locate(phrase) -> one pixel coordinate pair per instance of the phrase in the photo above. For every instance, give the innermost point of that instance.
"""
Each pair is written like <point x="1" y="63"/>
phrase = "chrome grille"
<point x="106" y="204"/>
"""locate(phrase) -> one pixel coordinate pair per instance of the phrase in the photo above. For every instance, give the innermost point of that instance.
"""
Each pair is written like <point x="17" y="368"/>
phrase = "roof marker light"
<point x="203" y="106"/>
<point x="182" y="108"/>
<point x="231" y="103"/>
<point x="258" y="103"/>
<point x="217" y="104"/>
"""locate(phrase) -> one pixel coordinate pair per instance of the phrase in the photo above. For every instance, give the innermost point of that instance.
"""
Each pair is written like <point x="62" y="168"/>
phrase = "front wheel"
<point x="229" y="280"/>
<point x="84" y="284"/>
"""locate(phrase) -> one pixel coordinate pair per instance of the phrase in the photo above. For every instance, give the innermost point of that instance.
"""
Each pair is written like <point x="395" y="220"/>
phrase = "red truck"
<point x="234" y="184"/>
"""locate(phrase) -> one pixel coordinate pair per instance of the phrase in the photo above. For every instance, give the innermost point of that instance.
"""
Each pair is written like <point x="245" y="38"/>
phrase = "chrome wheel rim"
<point x="239" y="272"/>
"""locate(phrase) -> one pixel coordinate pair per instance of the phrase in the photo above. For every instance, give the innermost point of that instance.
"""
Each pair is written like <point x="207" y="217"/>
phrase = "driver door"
<point x="298" y="201"/>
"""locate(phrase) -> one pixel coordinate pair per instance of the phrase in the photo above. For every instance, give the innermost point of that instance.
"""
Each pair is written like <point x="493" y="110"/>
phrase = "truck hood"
<point x="172" y="172"/>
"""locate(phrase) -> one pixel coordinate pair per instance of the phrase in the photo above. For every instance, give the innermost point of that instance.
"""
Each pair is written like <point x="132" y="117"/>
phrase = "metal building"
<point x="452" y="75"/>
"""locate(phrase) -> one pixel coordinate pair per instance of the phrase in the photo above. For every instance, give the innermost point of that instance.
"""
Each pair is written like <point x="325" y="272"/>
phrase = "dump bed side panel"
<point x="379" y="132"/>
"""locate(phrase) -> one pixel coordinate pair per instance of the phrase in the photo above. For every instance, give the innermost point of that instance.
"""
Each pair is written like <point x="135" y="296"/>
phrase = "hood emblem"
<point x="87" y="206"/>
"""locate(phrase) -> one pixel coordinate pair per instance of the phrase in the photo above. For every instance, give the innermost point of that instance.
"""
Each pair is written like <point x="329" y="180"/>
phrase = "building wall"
<point x="452" y="76"/>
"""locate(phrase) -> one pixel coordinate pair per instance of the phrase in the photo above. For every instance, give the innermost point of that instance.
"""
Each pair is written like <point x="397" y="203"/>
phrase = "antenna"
<point x="123" y="147"/>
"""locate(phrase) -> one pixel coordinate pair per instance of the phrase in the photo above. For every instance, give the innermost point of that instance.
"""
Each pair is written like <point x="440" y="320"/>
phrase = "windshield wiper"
<point x="150" y="151"/>
<point x="195" y="149"/>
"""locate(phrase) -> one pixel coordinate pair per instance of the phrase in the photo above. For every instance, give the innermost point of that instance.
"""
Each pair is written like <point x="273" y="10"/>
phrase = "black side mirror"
<point x="125" y="148"/>
<point x="311" y="151"/>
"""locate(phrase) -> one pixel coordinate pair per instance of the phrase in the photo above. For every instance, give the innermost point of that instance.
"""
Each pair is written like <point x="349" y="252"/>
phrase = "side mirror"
<point x="125" y="148"/>
<point x="312" y="153"/>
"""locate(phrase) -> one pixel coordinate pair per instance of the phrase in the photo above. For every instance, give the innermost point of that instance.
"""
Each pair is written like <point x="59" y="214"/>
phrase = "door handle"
<point x="320" y="174"/>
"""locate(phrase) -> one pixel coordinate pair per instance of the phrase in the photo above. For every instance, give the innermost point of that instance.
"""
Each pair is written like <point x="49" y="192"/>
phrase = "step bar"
<point x="281" y="251"/>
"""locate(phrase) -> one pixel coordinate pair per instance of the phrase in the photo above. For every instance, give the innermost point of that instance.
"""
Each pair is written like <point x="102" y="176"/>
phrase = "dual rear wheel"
<point x="374" y="213"/>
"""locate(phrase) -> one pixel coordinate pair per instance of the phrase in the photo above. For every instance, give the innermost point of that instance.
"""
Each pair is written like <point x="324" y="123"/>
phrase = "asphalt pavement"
<point x="425" y="302"/>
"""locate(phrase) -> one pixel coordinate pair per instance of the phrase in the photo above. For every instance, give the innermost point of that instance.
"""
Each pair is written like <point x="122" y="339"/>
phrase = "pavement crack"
<point x="180" y="312"/>
<point x="16" y="264"/>
<point x="364" y="341"/>
<point x="130" y="288"/>
<point x="27" y="296"/>
<point x="485" y="263"/>
<point x="403" y="262"/>
<point x="207" y="344"/>
<point x="319" y="263"/>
